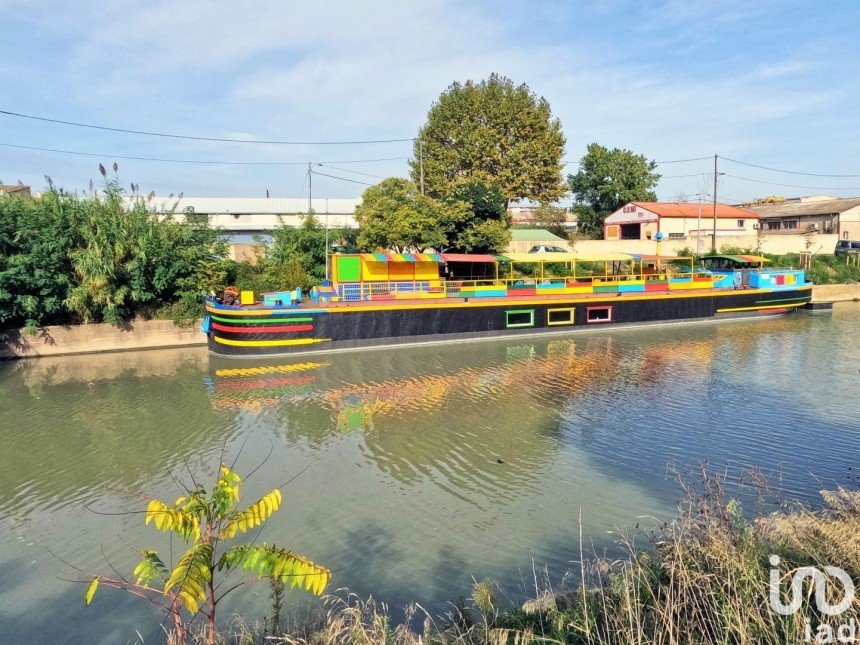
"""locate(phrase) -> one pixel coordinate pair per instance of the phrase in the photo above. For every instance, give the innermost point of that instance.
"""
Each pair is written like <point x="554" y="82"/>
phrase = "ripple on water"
<point x="424" y="464"/>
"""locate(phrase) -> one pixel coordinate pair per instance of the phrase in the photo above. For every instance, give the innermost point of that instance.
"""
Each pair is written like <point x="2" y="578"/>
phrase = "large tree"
<point x="493" y="131"/>
<point x="608" y="179"/>
<point x="394" y="215"/>
<point x="486" y="226"/>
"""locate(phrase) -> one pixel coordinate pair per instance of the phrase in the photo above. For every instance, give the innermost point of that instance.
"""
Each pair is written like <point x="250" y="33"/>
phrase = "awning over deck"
<point x="744" y="259"/>
<point x="568" y="257"/>
<point x="401" y="257"/>
<point x="429" y="257"/>
<point x="659" y="258"/>
<point x="469" y="257"/>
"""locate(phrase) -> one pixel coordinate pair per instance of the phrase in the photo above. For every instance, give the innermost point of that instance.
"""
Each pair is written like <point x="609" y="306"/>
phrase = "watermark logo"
<point x="825" y="633"/>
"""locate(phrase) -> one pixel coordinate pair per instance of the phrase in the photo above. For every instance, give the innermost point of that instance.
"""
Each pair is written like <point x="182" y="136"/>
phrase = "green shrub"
<point x="67" y="259"/>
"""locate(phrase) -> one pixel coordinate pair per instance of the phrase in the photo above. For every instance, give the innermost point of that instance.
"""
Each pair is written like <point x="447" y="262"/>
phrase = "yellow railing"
<point x="452" y="288"/>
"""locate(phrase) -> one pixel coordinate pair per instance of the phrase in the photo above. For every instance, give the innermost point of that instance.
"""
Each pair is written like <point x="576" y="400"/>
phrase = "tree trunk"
<point x="178" y="635"/>
<point x="211" y="639"/>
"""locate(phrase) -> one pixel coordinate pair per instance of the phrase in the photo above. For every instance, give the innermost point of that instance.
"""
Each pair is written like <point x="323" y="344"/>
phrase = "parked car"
<point x="544" y="248"/>
<point x="846" y="247"/>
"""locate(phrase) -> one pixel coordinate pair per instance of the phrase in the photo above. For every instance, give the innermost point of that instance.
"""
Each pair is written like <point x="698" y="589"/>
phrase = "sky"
<point x="773" y="84"/>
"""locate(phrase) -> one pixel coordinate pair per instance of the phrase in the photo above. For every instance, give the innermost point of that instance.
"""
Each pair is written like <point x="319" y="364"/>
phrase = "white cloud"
<point x="654" y="83"/>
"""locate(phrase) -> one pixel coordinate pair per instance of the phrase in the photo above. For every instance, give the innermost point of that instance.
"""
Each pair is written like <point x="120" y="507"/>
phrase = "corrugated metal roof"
<point x="254" y="205"/>
<point x="824" y="207"/>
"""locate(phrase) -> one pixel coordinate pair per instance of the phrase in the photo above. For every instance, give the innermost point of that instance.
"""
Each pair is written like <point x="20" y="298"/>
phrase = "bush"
<point x="71" y="259"/>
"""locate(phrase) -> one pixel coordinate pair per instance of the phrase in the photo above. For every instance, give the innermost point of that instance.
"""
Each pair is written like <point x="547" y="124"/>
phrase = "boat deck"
<point x="382" y="302"/>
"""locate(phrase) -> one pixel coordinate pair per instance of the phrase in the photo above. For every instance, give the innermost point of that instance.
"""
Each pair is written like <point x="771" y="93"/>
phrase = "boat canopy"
<point x="741" y="259"/>
<point x="401" y="257"/>
<point x="468" y="257"/>
<point x="529" y="258"/>
<point x="439" y="258"/>
<point x="660" y="258"/>
<point x="567" y="257"/>
<point x="573" y="256"/>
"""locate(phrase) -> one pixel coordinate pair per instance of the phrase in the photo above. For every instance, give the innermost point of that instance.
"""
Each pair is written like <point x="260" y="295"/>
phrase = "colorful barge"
<point x="378" y="299"/>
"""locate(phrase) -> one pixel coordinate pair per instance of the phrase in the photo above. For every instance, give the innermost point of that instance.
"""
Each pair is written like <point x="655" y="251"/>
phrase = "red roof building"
<point x="677" y="221"/>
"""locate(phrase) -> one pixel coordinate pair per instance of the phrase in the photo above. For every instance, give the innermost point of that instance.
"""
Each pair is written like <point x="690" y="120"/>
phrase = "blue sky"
<point x="771" y="83"/>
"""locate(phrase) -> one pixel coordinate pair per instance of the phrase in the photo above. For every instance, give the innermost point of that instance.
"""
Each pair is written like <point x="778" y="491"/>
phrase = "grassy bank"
<point x="703" y="578"/>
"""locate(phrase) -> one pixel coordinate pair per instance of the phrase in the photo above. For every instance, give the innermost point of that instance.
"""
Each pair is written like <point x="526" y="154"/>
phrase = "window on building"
<point x="790" y="224"/>
<point x="773" y="226"/>
<point x="520" y="318"/>
<point x="598" y="314"/>
<point x="741" y="223"/>
<point x="559" y="316"/>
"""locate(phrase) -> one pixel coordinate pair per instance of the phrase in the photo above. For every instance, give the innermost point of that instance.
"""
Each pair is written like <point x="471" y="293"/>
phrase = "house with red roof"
<point x="677" y="221"/>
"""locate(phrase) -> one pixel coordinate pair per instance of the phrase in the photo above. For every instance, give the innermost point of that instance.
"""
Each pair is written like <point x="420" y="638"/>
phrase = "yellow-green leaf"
<point x="91" y="589"/>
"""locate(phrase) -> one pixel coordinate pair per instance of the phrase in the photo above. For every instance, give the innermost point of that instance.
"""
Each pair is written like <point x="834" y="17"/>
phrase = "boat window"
<point x="520" y="318"/>
<point x="559" y="316"/>
<point x="598" y="314"/>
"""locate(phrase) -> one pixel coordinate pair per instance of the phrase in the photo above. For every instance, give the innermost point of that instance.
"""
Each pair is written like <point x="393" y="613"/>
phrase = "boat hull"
<point x="265" y="332"/>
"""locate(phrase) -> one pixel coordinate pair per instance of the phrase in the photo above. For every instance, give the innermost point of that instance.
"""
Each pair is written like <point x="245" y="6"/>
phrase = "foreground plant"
<point x="205" y="520"/>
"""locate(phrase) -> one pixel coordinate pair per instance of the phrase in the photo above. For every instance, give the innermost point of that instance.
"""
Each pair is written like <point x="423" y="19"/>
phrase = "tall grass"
<point x="702" y="578"/>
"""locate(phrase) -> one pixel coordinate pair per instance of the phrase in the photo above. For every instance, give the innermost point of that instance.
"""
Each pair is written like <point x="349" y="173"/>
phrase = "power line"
<point x="354" y="172"/>
<point x="698" y="174"/>
<point x="352" y="181"/>
<point x="684" y="160"/>
<point x="578" y="163"/>
<point x="789" y="172"/>
<point x="197" y="138"/>
<point x="193" y="161"/>
<point x="304" y="181"/>
<point x="773" y="183"/>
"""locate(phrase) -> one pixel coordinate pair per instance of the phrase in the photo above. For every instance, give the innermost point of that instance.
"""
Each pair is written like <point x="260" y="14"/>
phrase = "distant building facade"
<point x="677" y="221"/>
<point x="811" y="214"/>
<point x="259" y="215"/>
<point x="18" y="190"/>
<point x="524" y="214"/>
<point x="246" y="221"/>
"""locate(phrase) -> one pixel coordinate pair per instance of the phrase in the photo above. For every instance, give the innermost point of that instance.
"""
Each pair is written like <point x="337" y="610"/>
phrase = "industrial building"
<point x="814" y="213"/>
<point x="678" y="221"/>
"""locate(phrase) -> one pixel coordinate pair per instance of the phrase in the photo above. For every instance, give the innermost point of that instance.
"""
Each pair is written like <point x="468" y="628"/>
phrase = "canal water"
<point x="409" y="471"/>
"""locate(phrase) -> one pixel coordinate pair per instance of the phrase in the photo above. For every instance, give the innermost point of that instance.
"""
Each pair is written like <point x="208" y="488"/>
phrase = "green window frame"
<point x="560" y="318"/>
<point x="518" y="314"/>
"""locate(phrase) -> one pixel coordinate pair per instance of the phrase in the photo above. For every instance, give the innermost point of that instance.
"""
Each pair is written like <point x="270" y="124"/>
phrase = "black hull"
<point x="348" y="327"/>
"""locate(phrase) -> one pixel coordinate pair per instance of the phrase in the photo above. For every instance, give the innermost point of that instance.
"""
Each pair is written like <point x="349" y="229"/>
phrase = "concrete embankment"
<point x="88" y="339"/>
<point x="836" y="292"/>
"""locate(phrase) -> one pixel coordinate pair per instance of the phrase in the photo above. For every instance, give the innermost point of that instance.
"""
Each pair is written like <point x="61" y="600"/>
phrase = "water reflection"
<point x="419" y="466"/>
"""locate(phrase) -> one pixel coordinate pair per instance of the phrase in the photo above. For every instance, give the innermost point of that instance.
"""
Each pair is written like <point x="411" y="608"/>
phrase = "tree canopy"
<point x="608" y="179"/>
<point x="485" y="227"/>
<point x="395" y="215"/>
<point x="492" y="131"/>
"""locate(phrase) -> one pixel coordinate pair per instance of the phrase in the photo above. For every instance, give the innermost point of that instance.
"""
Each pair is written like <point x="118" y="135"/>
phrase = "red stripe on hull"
<point x="256" y="330"/>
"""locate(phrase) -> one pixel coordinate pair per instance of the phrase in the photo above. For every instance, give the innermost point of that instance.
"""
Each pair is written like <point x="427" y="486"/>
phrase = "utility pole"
<point x="699" y="225"/>
<point x="716" y="176"/>
<point x="310" y="188"/>
<point x="421" y="162"/>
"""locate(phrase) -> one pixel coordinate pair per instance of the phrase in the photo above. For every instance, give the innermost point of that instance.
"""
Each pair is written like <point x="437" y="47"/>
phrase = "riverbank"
<point x="702" y="578"/>
<point x="836" y="292"/>
<point x="60" y="340"/>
